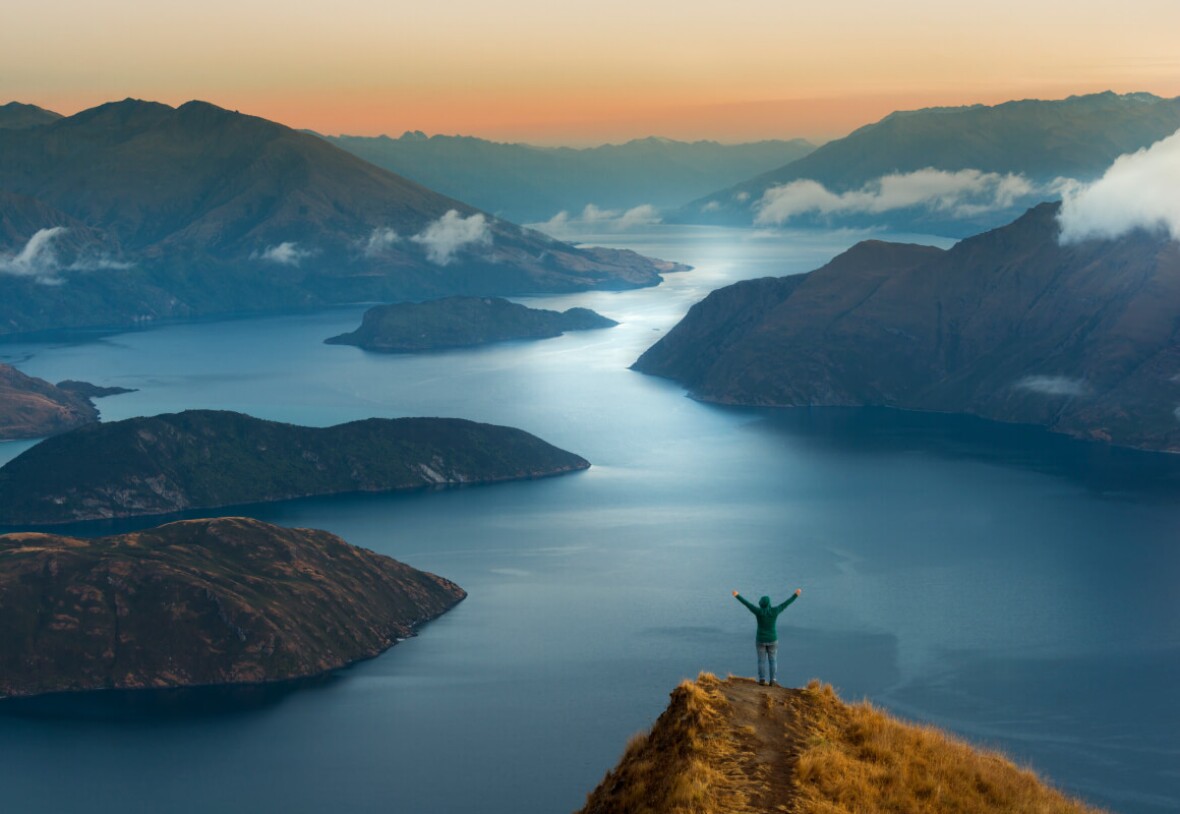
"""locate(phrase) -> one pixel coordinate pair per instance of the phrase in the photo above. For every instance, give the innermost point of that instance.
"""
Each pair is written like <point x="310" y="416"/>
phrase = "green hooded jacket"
<point x="767" y="616"/>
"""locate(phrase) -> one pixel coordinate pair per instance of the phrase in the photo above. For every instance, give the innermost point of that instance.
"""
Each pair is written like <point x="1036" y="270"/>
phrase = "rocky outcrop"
<point x="222" y="601"/>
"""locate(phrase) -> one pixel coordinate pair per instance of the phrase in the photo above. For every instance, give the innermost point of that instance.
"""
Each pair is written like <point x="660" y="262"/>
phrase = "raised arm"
<point x="794" y="596"/>
<point x="742" y="599"/>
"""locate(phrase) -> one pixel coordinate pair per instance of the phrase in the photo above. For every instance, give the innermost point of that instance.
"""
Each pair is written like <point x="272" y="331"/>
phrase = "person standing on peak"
<point x="766" y="641"/>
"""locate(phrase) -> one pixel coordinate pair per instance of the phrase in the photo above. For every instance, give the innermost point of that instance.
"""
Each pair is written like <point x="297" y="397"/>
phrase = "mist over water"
<point x="1015" y="587"/>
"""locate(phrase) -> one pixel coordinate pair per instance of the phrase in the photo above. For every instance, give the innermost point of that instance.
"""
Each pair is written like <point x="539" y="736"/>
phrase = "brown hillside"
<point x="229" y="600"/>
<point x="733" y="747"/>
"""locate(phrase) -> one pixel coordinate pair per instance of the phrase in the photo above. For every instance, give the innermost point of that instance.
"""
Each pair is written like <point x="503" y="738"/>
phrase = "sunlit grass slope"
<point x="733" y="746"/>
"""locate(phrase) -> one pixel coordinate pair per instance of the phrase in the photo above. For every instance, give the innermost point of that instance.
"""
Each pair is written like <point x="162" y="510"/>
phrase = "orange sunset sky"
<point x="583" y="73"/>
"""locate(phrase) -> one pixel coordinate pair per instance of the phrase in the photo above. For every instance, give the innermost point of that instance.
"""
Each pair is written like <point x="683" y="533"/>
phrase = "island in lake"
<point x="1010" y="325"/>
<point x="205" y="459"/>
<point x="456" y="322"/>
<point x="223" y="601"/>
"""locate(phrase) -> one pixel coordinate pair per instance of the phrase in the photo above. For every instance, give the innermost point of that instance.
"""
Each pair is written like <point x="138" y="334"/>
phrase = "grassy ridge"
<point x="733" y="747"/>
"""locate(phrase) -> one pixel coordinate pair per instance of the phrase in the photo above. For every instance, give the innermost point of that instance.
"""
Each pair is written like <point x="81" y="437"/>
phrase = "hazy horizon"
<point x="542" y="74"/>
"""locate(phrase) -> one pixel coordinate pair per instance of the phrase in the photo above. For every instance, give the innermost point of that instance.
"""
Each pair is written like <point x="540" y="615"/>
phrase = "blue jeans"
<point x="767" y="652"/>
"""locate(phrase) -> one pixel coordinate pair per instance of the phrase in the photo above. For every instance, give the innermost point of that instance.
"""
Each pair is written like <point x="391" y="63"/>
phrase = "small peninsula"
<point x="733" y="746"/>
<point x="229" y="600"/>
<point x="1010" y="325"/>
<point x="457" y="322"/>
<point x="205" y="459"/>
<point x="32" y="407"/>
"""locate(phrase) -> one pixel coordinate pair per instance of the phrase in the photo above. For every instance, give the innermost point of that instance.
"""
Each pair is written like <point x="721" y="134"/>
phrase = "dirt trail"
<point x="771" y="723"/>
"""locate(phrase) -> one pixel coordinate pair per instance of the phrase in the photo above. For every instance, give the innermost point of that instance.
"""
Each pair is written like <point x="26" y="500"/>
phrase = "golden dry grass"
<point x="690" y="762"/>
<point x="859" y="759"/>
<point x="732" y="747"/>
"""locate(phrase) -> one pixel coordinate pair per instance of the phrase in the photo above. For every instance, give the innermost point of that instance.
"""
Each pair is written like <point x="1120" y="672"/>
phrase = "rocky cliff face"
<point x="202" y="459"/>
<point x="455" y="322"/>
<point x="31" y="407"/>
<point x="1008" y="325"/>
<point x="222" y="601"/>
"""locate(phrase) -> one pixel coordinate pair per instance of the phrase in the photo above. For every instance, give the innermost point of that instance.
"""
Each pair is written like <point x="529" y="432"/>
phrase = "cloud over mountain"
<point x="287" y="253"/>
<point x="40" y="260"/>
<point x="611" y="219"/>
<point x="1141" y="190"/>
<point x="444" y="237"/>
<point x="963" y="193"/>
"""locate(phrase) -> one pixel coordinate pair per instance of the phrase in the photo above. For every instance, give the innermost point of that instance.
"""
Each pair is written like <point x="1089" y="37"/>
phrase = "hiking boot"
<point x="775" y="684"/>
<point x="761" y="683"/>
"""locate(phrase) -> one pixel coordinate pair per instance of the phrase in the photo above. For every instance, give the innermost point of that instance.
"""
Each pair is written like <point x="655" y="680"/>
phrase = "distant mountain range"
<point x="17" y="116"/>
<point x="135" y="211"/>
<point x="1010" y="325"/>
<point x="527" y="184"/>
<point x="987" y="164"/>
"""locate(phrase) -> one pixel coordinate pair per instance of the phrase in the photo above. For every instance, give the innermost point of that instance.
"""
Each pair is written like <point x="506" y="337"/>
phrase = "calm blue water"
<point x="1017" y="588"/>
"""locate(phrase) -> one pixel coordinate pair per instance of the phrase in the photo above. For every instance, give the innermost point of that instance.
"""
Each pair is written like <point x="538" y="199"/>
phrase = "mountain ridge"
<point x="133" y="211"/>
<point x="1037" y="140"/>
<point x="1008" y="325"/>
<point x="733" y="747"/>
<point x="530" y="183"/>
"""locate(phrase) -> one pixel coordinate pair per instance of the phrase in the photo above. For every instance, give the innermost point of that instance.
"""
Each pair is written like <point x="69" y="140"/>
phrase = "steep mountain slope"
<point x="31" y="407"/>
<point x="202" y="459"/>
<point x="1010" y="325"/>
<point x="730" y="747"/>
<point x="134" y="211"/>
<point x="526" y="184"/>
<point x="222" y="601"/>
<point x="1037" y="140"/>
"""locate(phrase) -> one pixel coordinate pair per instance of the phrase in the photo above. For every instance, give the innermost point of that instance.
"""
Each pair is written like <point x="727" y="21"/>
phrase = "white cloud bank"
<point x="1140" y="190"/>
<point x="1054" y="385"/>
<point x="958" y="194"/>
<point x="446" y="236"/>
<point x="39" y="259"/>
<point x="612" y="219"/>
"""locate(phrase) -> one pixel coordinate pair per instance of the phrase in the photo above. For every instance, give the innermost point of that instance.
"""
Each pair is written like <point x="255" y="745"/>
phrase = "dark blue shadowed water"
<point x="1013" y="586"/>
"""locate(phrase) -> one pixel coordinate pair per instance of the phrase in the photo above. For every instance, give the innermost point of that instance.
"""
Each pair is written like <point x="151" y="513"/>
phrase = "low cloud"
<point x="711" y="206"/>
<point x="380" y="241"/>
<point x="39" y="259"/>
<point x="287" y="253"/>
<point x="1140" y="190"/>
<point x="444" y="237"/>
<point x="610" y="219"/>
<point x="1053" y="385"/>
<point x="959" y="194"/>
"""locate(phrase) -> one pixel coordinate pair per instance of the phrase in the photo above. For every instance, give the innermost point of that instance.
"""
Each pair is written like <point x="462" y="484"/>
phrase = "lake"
<point x="1014" y="587"/>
